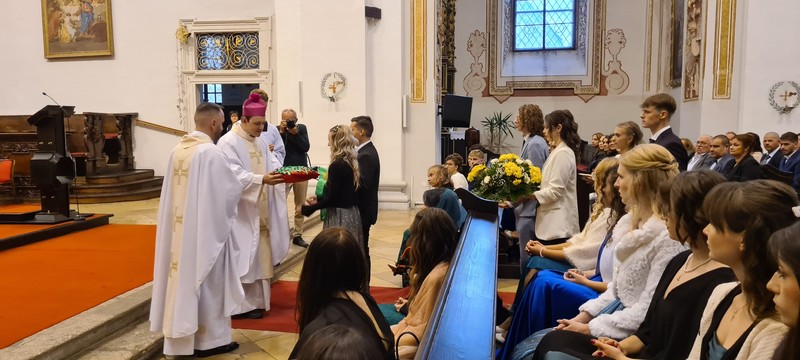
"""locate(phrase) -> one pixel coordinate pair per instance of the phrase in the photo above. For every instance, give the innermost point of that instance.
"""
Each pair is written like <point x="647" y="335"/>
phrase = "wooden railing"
<point x="462" y="323"/>
<point x="162" y="128"/>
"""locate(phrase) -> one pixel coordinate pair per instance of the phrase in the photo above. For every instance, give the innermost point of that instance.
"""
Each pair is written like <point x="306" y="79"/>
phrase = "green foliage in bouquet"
<point x="505" y="179"/>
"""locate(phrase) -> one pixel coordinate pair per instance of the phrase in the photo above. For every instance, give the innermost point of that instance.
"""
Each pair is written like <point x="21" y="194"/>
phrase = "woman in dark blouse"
<point x="339" y="196"/>
<point x="689" y="278"/>
<point x="745" y="167"/>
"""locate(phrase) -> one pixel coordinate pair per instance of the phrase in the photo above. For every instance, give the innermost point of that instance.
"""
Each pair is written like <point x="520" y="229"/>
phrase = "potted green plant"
<point x="499" y="127"/>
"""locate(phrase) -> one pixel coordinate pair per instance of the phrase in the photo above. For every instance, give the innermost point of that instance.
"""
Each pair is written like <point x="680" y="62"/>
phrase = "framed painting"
<point x="676" y="54"/>
<point x="77" y="28"/>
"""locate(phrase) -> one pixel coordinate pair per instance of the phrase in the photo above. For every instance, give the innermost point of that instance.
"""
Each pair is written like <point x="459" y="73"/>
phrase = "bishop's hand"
<point x="272" y="179"/>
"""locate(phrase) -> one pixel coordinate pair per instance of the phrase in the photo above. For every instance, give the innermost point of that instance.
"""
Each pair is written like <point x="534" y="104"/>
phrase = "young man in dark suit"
<point x="656" y="113"/>
<point x="791" y="161"/>
<point x="369" y="168"/>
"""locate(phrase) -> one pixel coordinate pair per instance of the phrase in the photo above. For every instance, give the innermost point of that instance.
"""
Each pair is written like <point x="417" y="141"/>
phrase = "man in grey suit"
<point x="701" y="159"/>
<point x="723" y="161"/>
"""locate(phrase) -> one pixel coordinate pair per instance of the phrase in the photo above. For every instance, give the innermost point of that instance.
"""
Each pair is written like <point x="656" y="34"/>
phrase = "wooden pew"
<point x="463" y="321"/>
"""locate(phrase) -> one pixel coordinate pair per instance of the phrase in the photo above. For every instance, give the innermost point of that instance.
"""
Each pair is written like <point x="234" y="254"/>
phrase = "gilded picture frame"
<point x="77" y="28"/>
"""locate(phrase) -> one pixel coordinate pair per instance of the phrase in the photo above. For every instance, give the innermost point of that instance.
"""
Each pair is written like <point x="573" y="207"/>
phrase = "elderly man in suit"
<point x="791" y="162"/>
<point x="369" y="167"/>
<point x="656" y="113"/>
<point x="722" y="160"/>
<point x="772" y="150"/>
<point x="702" y="158"/>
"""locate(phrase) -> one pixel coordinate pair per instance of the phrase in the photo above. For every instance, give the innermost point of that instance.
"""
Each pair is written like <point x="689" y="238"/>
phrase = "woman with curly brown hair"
<point x="530" y="122"/>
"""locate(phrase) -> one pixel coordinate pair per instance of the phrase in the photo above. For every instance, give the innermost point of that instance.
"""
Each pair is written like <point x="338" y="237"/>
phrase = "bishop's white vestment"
<point x="196" y="286"/>
<point x="248" y="158"/>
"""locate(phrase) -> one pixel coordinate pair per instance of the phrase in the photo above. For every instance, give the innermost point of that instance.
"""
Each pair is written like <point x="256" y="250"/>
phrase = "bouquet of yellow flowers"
<point x="505" y="179"/>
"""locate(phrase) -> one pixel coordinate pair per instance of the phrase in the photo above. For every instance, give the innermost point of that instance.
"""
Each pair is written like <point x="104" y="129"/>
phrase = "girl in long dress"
<point x="641" y="255"/>
<point x="556" y="294"/>
<point x="685" y="286"/>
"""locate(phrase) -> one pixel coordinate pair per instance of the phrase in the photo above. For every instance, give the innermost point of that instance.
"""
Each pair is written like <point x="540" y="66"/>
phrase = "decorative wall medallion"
<point x="783" y="96"/>
<point x="333" y="84"/>
<point x="693" y="65"/>
<point x="475" y="81"/>
<point x="617" y="80"/>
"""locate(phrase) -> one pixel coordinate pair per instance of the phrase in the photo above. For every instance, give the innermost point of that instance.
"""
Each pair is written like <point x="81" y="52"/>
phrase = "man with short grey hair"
<point x="772" y="150"/>
<point x="701" y="158"/>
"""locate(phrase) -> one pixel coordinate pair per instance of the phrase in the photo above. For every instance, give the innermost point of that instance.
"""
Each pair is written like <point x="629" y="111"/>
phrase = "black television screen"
<point x="456" y="111"/>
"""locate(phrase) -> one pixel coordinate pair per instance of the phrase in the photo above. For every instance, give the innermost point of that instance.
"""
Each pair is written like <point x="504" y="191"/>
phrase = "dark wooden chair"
<point x="773" y="173"/>
<point x="7" y="176"/>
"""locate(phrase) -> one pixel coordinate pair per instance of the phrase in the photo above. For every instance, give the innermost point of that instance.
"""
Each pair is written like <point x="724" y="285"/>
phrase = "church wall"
<point x="770" y="56"/>
<point x="599" y="114"/>
<point x="140" y="77"/>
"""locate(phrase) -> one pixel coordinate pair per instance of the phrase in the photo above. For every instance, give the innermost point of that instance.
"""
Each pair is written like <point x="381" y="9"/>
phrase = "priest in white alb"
<point x="249" y="158"/>
<point x="196" y="286"/>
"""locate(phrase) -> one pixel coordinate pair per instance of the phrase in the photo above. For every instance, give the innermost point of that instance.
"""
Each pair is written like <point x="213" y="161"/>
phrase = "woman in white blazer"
<point x="557" y="215"/>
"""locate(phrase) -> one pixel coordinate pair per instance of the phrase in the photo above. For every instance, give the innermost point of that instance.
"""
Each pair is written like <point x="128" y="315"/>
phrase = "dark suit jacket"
<point x="672" y="142"/>
<point x="724" y="164"/>
<point x="775" y="161"/>
<point x="369" y="168"/>
<point x="704" y="163"/>
<point x="792" y="165"/>
<point x="296" y="147"/>
<point x="747" y="169"/>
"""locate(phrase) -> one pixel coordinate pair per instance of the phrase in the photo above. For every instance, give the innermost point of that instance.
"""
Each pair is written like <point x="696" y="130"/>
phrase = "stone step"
<point x="89" y="189"/>
<point x="135" y="343"/>
<point x="119" y="196"/>
<point x="120" y="177"/>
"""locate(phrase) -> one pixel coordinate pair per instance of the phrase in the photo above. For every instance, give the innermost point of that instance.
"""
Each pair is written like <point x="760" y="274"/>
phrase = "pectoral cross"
<point x="180" y="171"/>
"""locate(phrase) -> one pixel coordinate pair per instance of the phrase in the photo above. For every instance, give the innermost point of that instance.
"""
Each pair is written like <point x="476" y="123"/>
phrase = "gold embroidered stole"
<point x="181" y="163"/>
<point x="259" y="166"/>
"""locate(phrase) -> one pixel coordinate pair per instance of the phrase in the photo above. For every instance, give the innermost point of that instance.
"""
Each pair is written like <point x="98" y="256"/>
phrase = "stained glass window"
<point x="544" y="24"/>
<point x="227" y="51"/>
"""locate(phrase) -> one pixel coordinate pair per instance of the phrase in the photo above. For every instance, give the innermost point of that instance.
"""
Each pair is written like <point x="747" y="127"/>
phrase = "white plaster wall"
<point x="600" y="114"/>
<point x="770" y="55"/>
<point x="140" y="77"/>
<point x="384" y="86"/>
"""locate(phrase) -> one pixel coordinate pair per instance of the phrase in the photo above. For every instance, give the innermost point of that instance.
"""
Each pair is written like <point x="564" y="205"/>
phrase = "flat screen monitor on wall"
<point x="456" y="111"/>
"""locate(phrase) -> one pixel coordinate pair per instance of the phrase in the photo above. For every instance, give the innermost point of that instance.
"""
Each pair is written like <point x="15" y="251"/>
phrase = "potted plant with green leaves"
<point x="499" y="127"/>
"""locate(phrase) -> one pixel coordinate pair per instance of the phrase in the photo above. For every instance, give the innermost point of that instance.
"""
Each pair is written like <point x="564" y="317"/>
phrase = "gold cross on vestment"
<point x="173" y="267"/>
<point x="180" y="171"/>
<point x="257" y="155"/>
<point x="178" y="219"/>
